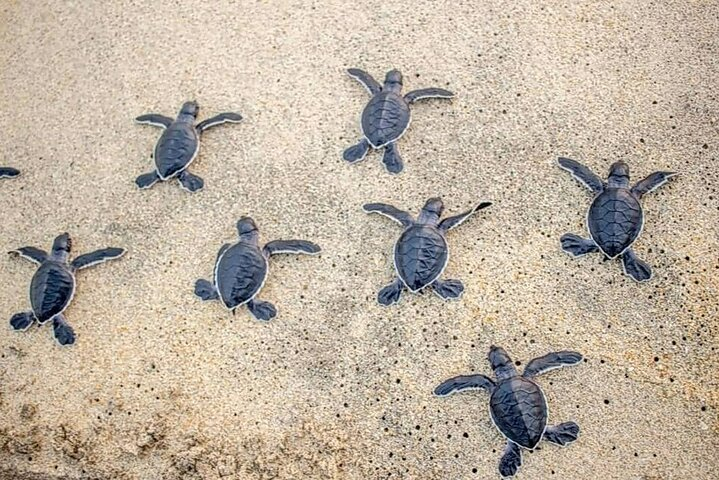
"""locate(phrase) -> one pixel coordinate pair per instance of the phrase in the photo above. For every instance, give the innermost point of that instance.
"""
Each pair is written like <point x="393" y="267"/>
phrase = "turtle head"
<point x="501" y="363"/>
<point x="393" y="81"/>
<point x="619" y="175"/>
<point x="432" y="211"/>
<point x="61" y="247"/>
<point x="189" y="109"/>
<point x="247" y="230"/>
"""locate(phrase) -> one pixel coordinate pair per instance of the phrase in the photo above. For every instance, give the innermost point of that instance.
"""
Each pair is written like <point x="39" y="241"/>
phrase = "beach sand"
<point x="162" y="386"/>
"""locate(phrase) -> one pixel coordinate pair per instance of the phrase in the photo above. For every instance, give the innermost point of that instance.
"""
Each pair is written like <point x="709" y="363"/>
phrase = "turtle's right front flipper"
<point x="146" y="180"/>
<point x="227" y="117"/>
<point x="583" y="174"/>
<point x="33" y="254"/>
<point x="155" y="120"/>
<point x="97" y="257"/>
<point x="511" y="460"/>
<point x="463" y="383"/>
<point x="8" y="172"/>
<point x="399" y="216"/>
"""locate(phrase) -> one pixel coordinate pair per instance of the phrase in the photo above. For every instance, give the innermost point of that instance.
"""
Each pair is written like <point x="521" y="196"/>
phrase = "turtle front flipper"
<point x="562" y="434"/>
<point x="205" y="290"/>
<point x="577" y="246"/>
<point x="372" y="85"/>
<point x="637" y="269"/>
<point x="511" y="460"/>
<point x="448" y="289"/>
<point x="651" y="183"/>
<point x="191" y="183"/>
<point x="22" y="321"/>
<point x="551" y="361"/>
<point x="62" y="331"/>
<point x="291" y="246"/>
<point x="146" y="180"/>
<point x="399" y="216"/>
<point x="463" y="383"/>
<point x="97" y="257"/>
<point x="451" y="222"/>
<point x="33" y="254"/>
<point x="227" y="117"/>
<point x="9" y="172"/>
<point x="588" y="178"/>
<point x="415" y="95"/>
<point x="390" y="294"/>
<point x="155" y="120"/>
<point x="391" y="159"/>
<point x="263" y="311"/>
<point x="355" y="153"/>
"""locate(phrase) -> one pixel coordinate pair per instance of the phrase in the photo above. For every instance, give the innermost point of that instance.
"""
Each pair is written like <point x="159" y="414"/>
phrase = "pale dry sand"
<point x="161" y="386"/>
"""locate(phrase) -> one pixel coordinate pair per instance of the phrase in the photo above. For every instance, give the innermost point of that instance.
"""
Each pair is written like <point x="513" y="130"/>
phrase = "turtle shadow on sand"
<point x="53" y="285"/>
<point x="615" y="218"/>
<point x="241" y="270"/>
<point x="517" y="405"/>
<point x="421" y="252"/>
<point x="179" y="145"/>
<point x="386" y="116"/>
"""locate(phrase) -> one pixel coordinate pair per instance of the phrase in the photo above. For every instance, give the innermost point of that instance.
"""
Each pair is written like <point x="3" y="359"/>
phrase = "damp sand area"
<point x="160" y="385"/>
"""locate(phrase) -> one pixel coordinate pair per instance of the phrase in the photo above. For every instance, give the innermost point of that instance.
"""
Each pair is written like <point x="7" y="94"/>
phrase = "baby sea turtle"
<point x="179" y="145"/>
<point x="517" y="405"/>
<point x="241" y="270"/>
<point x="615" y="218"/>
<point x="421" y="252"/>
<point x="386" y="117"/>
<point x="9" y="172"/>
<point x="53" y="285"/>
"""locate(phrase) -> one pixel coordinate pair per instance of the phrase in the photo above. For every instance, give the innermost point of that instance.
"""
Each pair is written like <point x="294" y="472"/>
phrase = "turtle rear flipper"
<point x="22" y="321"/>
<point x="190" y="182"/>
<point x="390" y="294"/>
<point x="448" y="289"/>
<point x="62" y="331"/>
<point x="146" y="180"/>
<point x="639" y="270"/>
<point x="391" y="159"/>
<point x="577" y="246"/>
<point x="511" y="460"/>
<point x="263" y="311"/>
<point x="562" y="434"/>
<point x="8" y="172"/>
<point x="205" y="290"/>
<point x="355" y="153"/>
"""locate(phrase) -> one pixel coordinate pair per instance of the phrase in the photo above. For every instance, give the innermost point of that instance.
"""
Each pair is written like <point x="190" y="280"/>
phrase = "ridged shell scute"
<point x="615" y="220"/>
<point x="240" y="273"/>
<point x="519" y="410"/>
<point x="385" y="118"/>
<point x="176" y="148"/>
<point x="51" y="289"/>
<point x="420" y="255"/>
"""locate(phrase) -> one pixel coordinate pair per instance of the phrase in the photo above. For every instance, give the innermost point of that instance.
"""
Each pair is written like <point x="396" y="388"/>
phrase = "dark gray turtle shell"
<point x="420" y="255"/>
<point x="385" y="118"/>
<point x="176" y="149"/>
<point x="240" y="273"/>
<point x="615" y="220"/>
<point x="519" y="411"/>
<point x="51" y="290"/>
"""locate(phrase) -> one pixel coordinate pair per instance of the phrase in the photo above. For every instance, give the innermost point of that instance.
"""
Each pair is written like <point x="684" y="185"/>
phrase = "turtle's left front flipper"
<point x="551" y="361"/>
<point x="96" y="257"/>
<point x="415" y="95"/>
<point x="8" y="172"/>
<point x="451" y="222"/>
<point x="227" y="117"/>
<point x="291" y="246"/>
<point x="651" y="183"/>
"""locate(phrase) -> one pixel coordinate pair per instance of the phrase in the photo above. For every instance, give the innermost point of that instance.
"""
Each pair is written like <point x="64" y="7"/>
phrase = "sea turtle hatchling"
<point x="9" y="172"/>
<point x="241" y="270"/>
<point x="179" y="145"/>
<point x="386" y="117"/>
<point x="517" y="405"/>
<point x="53" y="285"/>
<point x="421" y="252"/>
<point x="615" y="218"/>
